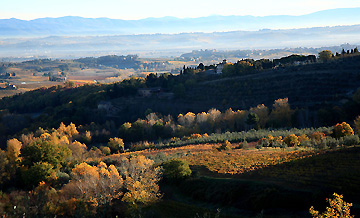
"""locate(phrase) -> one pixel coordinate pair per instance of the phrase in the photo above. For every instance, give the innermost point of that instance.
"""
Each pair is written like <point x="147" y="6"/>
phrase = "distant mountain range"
<point x="78" y="26"/>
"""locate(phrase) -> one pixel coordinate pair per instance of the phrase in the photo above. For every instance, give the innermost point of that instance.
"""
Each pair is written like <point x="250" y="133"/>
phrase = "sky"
<point x="139" y="9"/>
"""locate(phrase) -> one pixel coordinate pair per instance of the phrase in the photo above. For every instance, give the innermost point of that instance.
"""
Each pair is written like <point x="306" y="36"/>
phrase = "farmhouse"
<point x="147" y="92"/>
<point x="220" y="66"/>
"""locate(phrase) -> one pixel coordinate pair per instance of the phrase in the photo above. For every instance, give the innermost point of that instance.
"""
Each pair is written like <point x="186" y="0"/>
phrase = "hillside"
<point x="320" y="93"/>
<point x="107" y="150"/>
<point x="305" y="86"/>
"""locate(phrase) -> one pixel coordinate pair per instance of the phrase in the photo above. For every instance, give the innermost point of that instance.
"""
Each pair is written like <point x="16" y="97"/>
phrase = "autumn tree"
<point x="70" y="131"/>
<point x="116" y="145"/>
<point x="202" y="120"/>
<point x="343" y="129"/>
<point x="291" y="140"/>
<point x="78" y="151"/>
<point x="338" y="208"/>
<point x="281" y="113"/>
<point x="263" y="114"/>
<point x="187" y="120"/>
<point x="141" y="180"/>
<point x="13" y="149"/>
<point x="101" y="183"/>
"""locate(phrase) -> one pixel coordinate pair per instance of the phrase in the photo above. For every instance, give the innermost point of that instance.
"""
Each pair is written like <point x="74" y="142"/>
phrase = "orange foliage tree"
<point x="343" y="129"/>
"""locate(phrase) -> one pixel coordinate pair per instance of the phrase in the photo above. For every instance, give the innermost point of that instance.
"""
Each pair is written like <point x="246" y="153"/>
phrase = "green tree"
<point x="4" y="167"/>
<point x="325" y="55"/>
<point x="45" y="151"/>
<point x="37" y="173"/>
<point x="176" y="169"/>
<point x="356" y="96"/>
<point x="201" y="67"/>
<point x="179" y="90"/>
<point x="357" y="124"/>
<point x="252" y="120"/>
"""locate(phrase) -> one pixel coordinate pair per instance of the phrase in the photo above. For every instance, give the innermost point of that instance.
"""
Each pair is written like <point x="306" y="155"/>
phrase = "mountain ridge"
<point x="75" y="25"/>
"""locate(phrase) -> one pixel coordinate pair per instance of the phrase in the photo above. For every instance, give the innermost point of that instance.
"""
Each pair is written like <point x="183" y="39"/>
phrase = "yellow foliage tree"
<point x="338" y="208"/>
<point x="13" y="149"/>
<point x="141" y="180"/>
<point x="70" y="130"/>
<point x="100" y="183"/>
<point x="291" y="140"/>
<point x="116" y="145"/>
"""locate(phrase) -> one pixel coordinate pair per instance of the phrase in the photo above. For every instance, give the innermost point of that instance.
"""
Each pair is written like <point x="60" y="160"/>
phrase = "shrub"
<point x="176" y="169"/>
<point x="317" y="136"/>
<point x="304" y="140"/>
<point x="195" y="136"/>
<point x="350" y="140"/>
<point x="141" y="146"/>
<point x="105" y="150"/>
<point x="63" y="178"/>
<point x="277" y="143"/>
<point x="291" y="140"/>
<point x="241" y="145"/>
<point x="258" y="146"/>
<point x="224" y="146"/>
<point x="330" y="142"/>
<point x="264" y="142"/>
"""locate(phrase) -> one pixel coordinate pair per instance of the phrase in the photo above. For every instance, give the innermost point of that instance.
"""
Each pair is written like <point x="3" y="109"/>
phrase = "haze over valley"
<point x="73" y="37"/>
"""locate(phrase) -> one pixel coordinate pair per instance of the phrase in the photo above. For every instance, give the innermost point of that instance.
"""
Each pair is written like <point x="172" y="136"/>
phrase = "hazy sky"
<point x="137" y="9"/>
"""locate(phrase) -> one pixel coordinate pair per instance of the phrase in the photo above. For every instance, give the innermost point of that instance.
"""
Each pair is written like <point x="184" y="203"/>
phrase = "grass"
<point x="282" y="183"/>
<point x="238" y="161"/>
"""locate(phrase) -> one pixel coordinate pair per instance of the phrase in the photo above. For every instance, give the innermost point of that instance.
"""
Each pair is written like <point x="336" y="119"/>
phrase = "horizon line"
<point x="162" y="17"/>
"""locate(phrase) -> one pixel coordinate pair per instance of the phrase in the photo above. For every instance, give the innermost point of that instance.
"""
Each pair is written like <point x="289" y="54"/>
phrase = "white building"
<point x="220" y="66"/>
